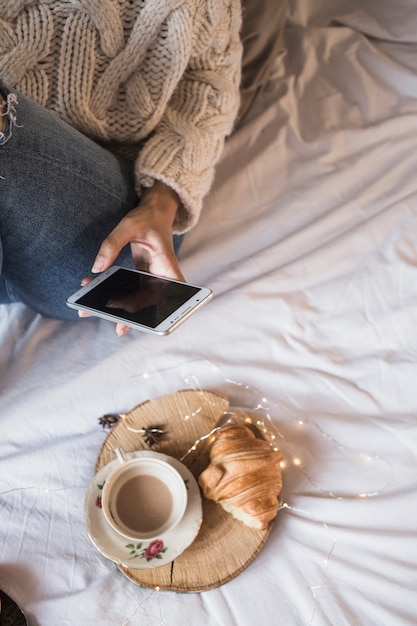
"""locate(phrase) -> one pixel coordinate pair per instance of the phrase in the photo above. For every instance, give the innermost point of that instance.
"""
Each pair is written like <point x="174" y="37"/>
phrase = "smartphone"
<point x="140" y="300"/>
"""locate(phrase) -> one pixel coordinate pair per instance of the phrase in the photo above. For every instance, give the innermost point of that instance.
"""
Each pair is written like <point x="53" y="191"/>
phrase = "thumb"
<point x="109" y="251"/>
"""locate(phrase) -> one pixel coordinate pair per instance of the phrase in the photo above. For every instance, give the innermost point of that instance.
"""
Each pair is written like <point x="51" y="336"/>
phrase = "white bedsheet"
<point x="308" y="241"/>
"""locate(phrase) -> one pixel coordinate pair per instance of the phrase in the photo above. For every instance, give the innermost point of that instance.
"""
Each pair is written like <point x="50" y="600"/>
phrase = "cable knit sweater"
<point x="157" y="80"/>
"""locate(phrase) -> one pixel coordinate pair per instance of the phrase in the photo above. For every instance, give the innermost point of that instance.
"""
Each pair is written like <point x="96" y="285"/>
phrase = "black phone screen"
<point x="137" y="297"/>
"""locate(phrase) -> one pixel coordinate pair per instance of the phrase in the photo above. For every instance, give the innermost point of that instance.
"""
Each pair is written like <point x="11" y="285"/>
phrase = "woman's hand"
<point x="148" y="229"/>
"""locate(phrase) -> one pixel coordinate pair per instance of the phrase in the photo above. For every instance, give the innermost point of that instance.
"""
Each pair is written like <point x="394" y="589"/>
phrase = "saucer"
<point x="143" y="554"/>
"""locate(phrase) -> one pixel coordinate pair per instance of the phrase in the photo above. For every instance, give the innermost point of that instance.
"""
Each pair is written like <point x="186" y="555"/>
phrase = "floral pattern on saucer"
<point x="155" y="550"/>
<point x="144" y="554"/>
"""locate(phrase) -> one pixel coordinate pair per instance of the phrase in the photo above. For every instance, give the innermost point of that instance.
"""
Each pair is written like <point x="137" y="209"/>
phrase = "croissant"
<point x="244" y="476"/>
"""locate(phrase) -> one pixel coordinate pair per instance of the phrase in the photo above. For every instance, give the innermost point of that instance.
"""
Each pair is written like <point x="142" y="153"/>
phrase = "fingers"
<point x="150" y="242"/>
<point x="147" y="238"/>
<point x="111" y="247"/>
<point x="161" y="261"/>
<point x="148" y="228"/>
<point x="121" y="329"/>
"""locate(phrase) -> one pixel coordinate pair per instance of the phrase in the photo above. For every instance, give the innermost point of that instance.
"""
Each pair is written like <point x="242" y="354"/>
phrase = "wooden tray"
<point x="224" y="546"/>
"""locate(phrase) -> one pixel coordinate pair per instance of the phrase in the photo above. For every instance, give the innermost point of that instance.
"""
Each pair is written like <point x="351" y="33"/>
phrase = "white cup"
<point x="144" y="497"/>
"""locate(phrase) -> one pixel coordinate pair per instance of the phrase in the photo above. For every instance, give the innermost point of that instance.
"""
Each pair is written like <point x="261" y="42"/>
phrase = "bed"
<point x="309" y="243"/>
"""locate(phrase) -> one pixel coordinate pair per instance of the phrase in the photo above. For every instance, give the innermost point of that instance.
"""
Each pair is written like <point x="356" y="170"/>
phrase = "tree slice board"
<point x="224" y="546"/>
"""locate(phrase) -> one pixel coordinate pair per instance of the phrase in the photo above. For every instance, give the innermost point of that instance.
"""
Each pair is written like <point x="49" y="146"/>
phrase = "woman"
<point x="114" y="114"/>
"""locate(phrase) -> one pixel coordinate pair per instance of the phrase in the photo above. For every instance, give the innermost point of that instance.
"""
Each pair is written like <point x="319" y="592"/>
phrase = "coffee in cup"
<point x="144" y="497"/>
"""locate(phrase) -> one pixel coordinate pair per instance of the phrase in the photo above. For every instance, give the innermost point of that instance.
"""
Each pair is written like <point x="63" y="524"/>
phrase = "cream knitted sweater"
<point x="155" y="79"/>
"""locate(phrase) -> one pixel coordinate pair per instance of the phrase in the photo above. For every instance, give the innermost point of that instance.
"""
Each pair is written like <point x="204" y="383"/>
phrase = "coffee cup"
<point x="144" y="497"/>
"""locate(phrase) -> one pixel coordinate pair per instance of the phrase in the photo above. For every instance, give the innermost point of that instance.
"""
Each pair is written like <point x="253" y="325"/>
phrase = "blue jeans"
<point x="61" y="194"/>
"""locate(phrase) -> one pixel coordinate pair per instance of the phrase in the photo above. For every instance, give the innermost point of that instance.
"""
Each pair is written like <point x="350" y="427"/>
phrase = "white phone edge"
<point x="179" y="316"/>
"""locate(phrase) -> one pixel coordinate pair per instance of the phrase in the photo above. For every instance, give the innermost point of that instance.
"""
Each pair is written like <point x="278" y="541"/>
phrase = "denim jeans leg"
<point x="60" y="195"/>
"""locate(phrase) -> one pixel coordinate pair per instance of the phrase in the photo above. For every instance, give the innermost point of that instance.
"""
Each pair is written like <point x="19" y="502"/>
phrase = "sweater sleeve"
<point x="183" y="149"/>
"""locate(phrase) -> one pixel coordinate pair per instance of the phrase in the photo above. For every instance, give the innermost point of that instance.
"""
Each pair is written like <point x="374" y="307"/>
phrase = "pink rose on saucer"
<point x="155" y="547"/>
<point x="155" y="550"/>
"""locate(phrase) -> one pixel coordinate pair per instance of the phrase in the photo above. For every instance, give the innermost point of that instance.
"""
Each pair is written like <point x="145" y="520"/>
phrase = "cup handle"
<point x="121" y="456"/>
